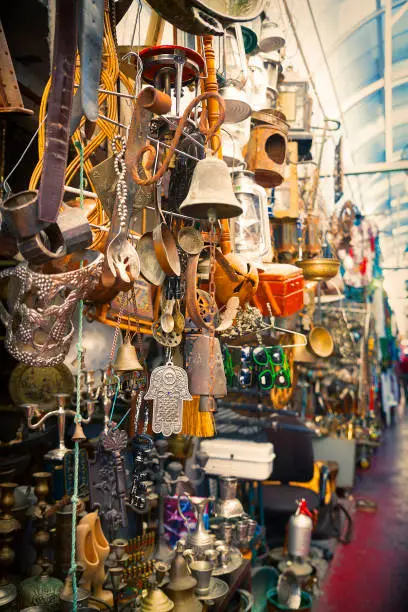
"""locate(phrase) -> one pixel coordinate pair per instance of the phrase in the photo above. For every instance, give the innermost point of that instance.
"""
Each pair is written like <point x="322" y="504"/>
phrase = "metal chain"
<point x="212" y="313"/>
<point x="119" y="150"/>
<point x="138" y="330"/>
<point x="117" y="327"/>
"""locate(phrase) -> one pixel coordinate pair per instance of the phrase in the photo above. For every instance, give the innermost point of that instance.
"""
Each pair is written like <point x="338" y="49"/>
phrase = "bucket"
<point x="274" y="605"/>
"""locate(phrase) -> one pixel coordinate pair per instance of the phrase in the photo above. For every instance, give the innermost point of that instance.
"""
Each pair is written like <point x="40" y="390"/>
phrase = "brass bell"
<point x="211" y="193"/>
<point x="197" y="357"/>
<point x="78" y="435"/>
<point x="126" y="358"/>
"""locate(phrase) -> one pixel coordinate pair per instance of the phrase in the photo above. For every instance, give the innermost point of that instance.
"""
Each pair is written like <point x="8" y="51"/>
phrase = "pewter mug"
<point x="202" y="571"/>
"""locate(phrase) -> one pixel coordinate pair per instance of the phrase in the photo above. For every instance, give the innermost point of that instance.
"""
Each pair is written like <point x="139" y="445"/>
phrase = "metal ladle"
<point x="190" y="240"/>
<point x="165" y="245"/>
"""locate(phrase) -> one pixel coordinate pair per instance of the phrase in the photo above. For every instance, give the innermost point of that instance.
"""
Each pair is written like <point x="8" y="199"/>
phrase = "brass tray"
<point x="32" y="385"/>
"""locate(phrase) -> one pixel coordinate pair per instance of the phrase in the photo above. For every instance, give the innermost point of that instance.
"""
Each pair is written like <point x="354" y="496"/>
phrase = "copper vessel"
<point x="319" y="268"/>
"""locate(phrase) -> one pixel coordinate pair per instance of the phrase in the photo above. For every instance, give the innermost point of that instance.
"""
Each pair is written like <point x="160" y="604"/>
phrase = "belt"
<point x="59" y="110"/>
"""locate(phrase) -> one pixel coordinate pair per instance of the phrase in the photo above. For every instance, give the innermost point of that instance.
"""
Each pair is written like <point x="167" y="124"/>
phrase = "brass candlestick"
<point x="41" y="537"/>
<point x="8" y="527"/>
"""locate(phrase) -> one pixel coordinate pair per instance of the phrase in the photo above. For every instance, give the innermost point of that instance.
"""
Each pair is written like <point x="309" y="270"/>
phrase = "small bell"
<point x="211" y="193"/>
<point x="78" y="435"/>
<point x="126" y="358"/>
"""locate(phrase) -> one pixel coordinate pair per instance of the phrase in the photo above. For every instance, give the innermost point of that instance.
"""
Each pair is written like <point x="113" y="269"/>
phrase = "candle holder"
<point x="61" y="413"/>
<point x="8" y="527"/>
<point x="42" y="537"/>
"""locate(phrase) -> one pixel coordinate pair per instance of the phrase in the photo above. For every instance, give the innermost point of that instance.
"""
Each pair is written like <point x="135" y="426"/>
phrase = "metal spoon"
<point x="166" y="319"/>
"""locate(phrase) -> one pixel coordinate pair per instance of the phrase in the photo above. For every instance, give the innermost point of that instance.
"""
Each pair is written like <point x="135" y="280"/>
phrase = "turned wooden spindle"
<point x="213" y="112"/>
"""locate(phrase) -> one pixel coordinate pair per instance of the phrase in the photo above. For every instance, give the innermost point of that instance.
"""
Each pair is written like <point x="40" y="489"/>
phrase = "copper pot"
<point x="165" y="245"/>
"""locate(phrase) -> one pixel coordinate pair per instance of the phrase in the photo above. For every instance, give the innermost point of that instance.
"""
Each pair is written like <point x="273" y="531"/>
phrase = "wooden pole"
<point x="211" y="85"/>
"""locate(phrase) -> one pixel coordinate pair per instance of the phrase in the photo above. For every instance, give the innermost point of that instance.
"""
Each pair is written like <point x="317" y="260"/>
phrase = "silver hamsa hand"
<point x="168" y="389"/>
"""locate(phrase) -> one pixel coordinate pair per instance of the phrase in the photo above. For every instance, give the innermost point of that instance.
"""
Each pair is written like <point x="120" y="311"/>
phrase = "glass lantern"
<point x="231" y="62"/>
<point x="257" y="83"/>
<point x="273" y="66"/>
<point x="235" y="137"/>
<point x="295" y="101"/>
<point x="250" y="231"/>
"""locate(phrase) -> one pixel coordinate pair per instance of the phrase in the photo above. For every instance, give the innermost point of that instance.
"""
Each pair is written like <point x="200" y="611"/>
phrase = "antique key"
<point x="143" y="445"/>
<point x="115" y="441"/>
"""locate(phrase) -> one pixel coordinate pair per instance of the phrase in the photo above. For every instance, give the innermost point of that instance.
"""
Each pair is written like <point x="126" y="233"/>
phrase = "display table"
<point x="240" y="579"/>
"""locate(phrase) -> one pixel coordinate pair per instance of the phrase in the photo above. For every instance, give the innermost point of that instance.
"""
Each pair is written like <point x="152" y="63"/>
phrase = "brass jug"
<point x="211" y="193"/>
<point x="181" y="586"/>
<point x="197" y="358"/>
<point x="126" y="358"/>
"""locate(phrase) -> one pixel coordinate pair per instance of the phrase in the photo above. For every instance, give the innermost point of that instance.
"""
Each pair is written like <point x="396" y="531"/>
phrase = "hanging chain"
<point x="212" y="313"/>
<point x="117" y="328"/>
<point x="119" y="150"/>
<point x="137" y="320"/>
<point x="142" y="388"/>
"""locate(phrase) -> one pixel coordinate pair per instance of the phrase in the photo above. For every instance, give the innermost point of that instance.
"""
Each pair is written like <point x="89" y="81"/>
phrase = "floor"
<point x="371" y="573"/>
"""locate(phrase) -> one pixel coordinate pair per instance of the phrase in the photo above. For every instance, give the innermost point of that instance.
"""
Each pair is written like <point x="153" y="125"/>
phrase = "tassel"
<point x="196" y="423"/>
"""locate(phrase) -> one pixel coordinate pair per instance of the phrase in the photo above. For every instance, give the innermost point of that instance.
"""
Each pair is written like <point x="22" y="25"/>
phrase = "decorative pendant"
<point x="168" y="389"/>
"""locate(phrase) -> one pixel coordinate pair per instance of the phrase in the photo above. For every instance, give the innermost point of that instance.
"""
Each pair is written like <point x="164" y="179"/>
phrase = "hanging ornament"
<point x="168" y="389"/>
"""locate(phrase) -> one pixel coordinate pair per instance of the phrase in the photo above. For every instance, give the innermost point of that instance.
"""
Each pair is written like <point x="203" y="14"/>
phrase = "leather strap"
<point x="90" y="48"/>
<point x="59" y="110"/>
<point x="90" y="43"/>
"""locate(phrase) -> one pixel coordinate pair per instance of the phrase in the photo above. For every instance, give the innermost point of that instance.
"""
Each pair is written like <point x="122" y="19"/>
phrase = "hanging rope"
<point x="78" y="418"/>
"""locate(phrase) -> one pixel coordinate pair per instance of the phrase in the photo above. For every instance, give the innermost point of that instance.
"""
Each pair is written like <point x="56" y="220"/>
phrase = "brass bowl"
<point x="319" y="268"/>
<point x="321" y="342"/>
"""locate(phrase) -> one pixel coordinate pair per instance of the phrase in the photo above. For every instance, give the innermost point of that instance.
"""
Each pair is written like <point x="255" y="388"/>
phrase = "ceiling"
<point x="357" y="54"/>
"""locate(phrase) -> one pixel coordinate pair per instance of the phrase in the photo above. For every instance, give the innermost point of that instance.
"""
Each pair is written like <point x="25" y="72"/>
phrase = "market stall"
<point x="198" y="348"/>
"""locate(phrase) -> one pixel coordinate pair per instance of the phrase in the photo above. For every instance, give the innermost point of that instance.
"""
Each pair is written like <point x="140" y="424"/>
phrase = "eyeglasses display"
<point x="261" y="366"/>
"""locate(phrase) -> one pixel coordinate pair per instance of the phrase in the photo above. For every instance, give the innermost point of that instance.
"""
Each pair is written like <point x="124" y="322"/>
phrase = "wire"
<point x="5" y="183"/>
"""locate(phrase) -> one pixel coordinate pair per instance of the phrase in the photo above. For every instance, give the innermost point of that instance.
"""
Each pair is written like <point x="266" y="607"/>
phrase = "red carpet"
<point x="371" y="573"/>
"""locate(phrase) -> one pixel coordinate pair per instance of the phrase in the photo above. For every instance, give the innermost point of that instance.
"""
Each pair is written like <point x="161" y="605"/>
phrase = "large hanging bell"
<point x="211" y="193"/>
<point x="126" y="358"/>
<point x="198" y="366"/>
